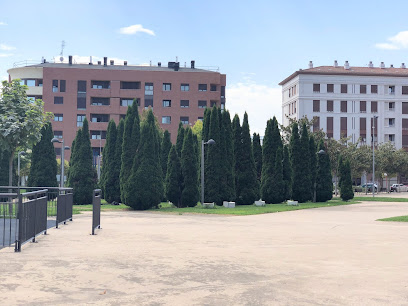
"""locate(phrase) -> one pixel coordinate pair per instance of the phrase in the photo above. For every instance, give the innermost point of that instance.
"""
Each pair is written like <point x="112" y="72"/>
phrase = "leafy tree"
<point x="4" y="168"/>
<point x="173" y="182"/>
<point x="257" y="151"/>
<point x="346" y="188"/>
<point x="324" y="185"/>
<point x="131" y="137"/>
<point x="82" y="175"/>
<point x="313" y="164"/>
<point x="180" y="139"/>
<point x="145" y="186"/>
<point x="213" y="162"/>
<point x="110" y="165"/>
<point x="165" y="149"/>
<point x="287" y="173"/>
<point x="198" y="130"/>
<point x="20" y="120"/>
<point x="247" y="184"/>
<point x="190" y="193"/>
<point x="43" y="171"/>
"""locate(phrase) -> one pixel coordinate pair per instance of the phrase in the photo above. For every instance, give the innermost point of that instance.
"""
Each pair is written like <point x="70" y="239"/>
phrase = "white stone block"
<point x="260" y="203"/>
<point x="292" y="203"/>
<point x="208" y="205"/>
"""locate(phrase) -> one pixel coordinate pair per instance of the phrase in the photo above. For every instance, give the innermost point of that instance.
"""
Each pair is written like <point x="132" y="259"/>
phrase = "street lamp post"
<point x="374" y="117"/>
<point x="62" y="158"/>
<point x="209" y="142"/>
<point x="18" y="168"/>
<point x="321" y="152"/>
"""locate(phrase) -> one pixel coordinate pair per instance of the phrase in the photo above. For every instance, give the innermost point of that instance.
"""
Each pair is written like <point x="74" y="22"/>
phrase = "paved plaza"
<point x="327" y="256"/>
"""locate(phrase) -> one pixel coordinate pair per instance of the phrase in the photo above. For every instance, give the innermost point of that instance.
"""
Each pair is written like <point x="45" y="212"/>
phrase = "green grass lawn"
<point x="380" y="199"/>
<point x="105" y="207"/>
<point x="395" y="219"/>
<point x="242" y="210"/>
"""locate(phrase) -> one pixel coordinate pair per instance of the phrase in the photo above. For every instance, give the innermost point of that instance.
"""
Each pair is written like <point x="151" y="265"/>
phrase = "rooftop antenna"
<point x="62" y="51"/>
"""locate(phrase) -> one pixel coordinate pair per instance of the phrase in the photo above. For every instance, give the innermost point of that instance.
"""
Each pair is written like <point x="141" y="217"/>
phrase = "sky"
<point x="255" y="43"/>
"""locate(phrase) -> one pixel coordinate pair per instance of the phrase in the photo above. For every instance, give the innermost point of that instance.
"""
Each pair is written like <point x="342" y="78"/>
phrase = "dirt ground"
<point x="326" y="256"/>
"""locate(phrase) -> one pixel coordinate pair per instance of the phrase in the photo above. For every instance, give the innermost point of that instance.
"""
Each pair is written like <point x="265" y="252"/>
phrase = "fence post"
<point x="20" y="223"/>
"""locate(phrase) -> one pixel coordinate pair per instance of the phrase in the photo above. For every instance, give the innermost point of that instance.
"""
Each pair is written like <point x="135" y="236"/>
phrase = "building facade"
<point x="101" y="92"/>
<point x="355" y="102"/>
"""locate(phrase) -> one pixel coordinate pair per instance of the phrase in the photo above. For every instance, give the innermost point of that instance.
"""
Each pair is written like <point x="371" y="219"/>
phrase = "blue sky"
<point x="256" y="43"/>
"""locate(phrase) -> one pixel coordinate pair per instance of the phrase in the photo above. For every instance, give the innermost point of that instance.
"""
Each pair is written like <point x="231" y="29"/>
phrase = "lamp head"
<point x="321" y="152"/>
<point x="55" y="140"/>
<point x="22" y="153"/>
<point x="211" y="142"/>
<point x="67" y="148"/>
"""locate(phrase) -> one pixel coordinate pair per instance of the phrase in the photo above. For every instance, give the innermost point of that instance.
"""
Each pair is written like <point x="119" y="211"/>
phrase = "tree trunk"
<point x="10" y="183"/>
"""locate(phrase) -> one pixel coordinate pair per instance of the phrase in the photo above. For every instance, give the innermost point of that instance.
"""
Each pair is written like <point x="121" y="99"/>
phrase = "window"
<point x="202" y="87"/>
<point x="40" y="82"/>
<point x="200" y="118"/>
<point x="166" y="86"/>
<point x="58" y="134"/>
<point x="405" y="90"/>
<point x="30" y="83"/>
<point x="54" y="85"/>
<point x="99" y="118"/>
<point x="148" y="102"/>
<point x="316" y="87"/>
<point x="203" y="104"/>
<point x="31" y="98"/>
<point x="122" y="117"/>
<point x="363" y="106"/>
<point x="57" y="151"/>
<point x="391" y="137"/>
<point x="316" y="105"/>
<point x="166" y="119"/>
<point x="222" y="106"/>
<point x="391" y="122"/>
<point x="373" y="106"/>
<point x="81" y="86"/>
<point x="184" y="103"/>
<point x="330" y="87"/>
<point x="96" y="101"/>
<point x="391" y="106"/>
<point x="166" y="103"/>
<point x="130" y="85"/>
<point x="213" y="87"/>
<point x="58" y="100"/>
<point x="363" y="129"/>
<point x="343" y="88"/>
<point x="374" y="89"/>
<point x="343" y="126"/>
<point x="363" y="89"/>
<point x="184" y="120"/>
<point x="58" y="117"/>
<point x="316" y="124"/>
<point x="100" y="84"/>
<point x="329" y="105"/>
<point x="80" y="120"/>
<point x="81" y="103"/>
<point x="98" y="134"/>
<point x="223" y="91"/>
<point x="128" y="101"/>
<point x="404" y="124"/>
<point x="148" y="89"/>
<point x="185" y="87"/>
<point x="63" y="84"/>
<point x="404" y="141"/>
<point x="405" y="107"/>
<point x="329" y="127"/>
<point x="391" y="90"/>
<point x="343" y="106"/>
<point x="213" y="103"/>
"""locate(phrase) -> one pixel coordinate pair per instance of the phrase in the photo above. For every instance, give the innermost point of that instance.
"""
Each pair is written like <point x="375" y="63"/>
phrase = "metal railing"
<point x="64" y="206"/>
<point x="8" y="219"/>
<point x="26" y="63"/>
<point x="96" y="210"/>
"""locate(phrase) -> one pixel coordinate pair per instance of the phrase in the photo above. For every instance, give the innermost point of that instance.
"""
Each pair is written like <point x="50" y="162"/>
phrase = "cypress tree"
<point x="247" y="184"/>
<point x="236" y="146"/>
<point x="43" y="170"/>
<point x="180" y="139"/>
<point x="206" y="124"/>
<point x="173" y="182"/>
<point x="109" y="163"/>
<point x="82" y="173"/>
<point x="313" y="164"/>
<point x="257" y="151"/>
<point x="324" y="185"/>
<point x="277" y="183"/>
<point x="227" y="185"/>
<point x="165" y="150"/>
<point x="346" y="188"/>
<point x="212" y="165"/>
<point x="145" y="186"/>
<point x="287" y="174"/>
<point x="73" y="158"/>
<point x="272" y="142"/>
<point x="131" y="136"/>
<point x="190" y="193"/>
<point x="117" y="163"/>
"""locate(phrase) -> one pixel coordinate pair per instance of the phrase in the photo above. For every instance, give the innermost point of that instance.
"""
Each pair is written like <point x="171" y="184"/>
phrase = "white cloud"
<point x="6" y="47"/>
<point x="261" y="102"/>
<point x="133" y="29"/>
<point x="6" y="54"/>
<point x="397" y="42"/>
<point x="2" y="23"/>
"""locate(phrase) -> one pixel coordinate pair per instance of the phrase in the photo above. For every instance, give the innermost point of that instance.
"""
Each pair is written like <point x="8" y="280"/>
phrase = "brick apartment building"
<point x="102" y="91"/>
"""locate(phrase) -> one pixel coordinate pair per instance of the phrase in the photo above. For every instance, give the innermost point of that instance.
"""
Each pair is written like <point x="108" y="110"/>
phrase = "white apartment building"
<point x="343" y="100"/>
